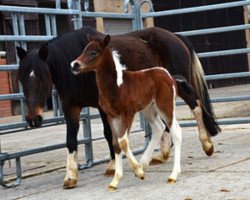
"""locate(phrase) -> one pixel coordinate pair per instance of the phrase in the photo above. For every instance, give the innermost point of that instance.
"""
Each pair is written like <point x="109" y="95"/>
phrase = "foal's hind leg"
<point x="175" y="131"/>
<point x="164" y="152"/>
<point x="157" y="126"/>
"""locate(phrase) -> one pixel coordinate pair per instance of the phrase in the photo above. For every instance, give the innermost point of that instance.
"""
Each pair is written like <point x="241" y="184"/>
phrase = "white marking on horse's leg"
<point x="118" y="172"/>
<point x="70" y="179"/>
<point x="135" y="166"/>
<point x="163" y="154"/>
<point x="119" y="67"/>
<point x="110" y="170"/>
<point x="175" y="132"/>
<point x="157" y="127"/>
<point x="207" y="144"/>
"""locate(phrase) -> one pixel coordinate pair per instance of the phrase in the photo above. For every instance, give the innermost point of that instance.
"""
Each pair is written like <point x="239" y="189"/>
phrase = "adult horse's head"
<point x="35" y="77"/>
<point x="91" y="56"/>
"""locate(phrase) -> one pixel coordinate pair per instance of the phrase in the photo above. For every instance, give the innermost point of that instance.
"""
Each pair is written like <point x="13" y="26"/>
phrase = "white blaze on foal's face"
<point x="119" y="67"/>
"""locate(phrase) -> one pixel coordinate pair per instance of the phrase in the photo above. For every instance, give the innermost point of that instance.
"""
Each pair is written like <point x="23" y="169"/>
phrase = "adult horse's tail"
<point x="201" y="90"/>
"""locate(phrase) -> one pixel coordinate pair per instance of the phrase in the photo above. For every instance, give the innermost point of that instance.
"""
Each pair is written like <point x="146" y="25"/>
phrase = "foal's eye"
<point x="93" y="53"/>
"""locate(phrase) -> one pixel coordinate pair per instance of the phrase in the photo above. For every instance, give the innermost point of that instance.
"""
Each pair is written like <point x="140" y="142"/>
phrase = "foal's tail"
<point x="201" y="90"/>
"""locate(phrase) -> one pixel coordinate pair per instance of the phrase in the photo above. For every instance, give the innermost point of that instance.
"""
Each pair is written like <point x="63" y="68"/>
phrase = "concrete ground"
<point x="224" y="175"/>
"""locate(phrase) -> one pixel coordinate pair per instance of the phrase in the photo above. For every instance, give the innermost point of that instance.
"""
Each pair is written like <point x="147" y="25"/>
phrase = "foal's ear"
<point x="21" y="52"/>
<point x="106" y="40"/>
<point x="43" y="52"/>
<point x="91" y="38"/>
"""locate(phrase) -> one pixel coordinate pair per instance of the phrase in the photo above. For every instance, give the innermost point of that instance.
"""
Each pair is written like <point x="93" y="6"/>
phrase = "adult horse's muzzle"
<point x="35" y="122"/>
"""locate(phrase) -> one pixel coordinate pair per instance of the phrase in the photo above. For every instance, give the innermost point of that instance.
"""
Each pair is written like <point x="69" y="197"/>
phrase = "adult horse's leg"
<point x="72" y="115"/>
<point x="157" y="127"/>
<point x="203" y="110"/>
<point x="108" y="135"/>
<point x="206" y="142"/>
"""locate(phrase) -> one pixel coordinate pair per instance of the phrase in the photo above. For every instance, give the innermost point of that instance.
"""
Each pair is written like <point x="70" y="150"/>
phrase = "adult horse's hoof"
<point x="69" y="183"/>
<point x="210" y="151"/>
<point x="111" y="188"/>
<point x="109" y="172"/>
<point x="171" y="181"/>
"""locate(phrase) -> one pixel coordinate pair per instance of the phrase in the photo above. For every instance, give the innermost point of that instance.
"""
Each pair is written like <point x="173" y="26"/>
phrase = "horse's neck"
<point x="106" y="77"/>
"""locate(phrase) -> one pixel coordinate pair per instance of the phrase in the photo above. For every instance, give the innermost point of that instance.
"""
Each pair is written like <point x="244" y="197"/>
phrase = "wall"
<point x="5" y="106"/>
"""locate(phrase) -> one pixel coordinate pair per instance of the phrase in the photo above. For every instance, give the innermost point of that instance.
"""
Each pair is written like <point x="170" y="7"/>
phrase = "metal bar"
<point x="8" y="67"/>
<point x="223" y="53"/>
<point x="230" y="121"/>
<point x="58" y="4"/>
<point x="21" y="26"/>
<point x="14" y="96"/>
<point x="9" y="156"/>
<point x="47" y="24"/>
<point x="17" y="9"/>
<point x="87" y="134"/>
<point x="227" y="76"/>
<point x="215" y="30"/>
<point x="53" y="25"/>
<point x="196" y="9"/>
<point x="30" y="38"/>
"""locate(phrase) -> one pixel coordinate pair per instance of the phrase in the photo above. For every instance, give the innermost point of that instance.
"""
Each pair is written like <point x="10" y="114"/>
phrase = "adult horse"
<point x="146" y="48"/>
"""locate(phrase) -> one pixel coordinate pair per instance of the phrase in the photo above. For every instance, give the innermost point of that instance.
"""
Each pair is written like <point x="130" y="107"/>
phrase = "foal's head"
<point x="35" y="77"/>
<point x="92" y="56"/>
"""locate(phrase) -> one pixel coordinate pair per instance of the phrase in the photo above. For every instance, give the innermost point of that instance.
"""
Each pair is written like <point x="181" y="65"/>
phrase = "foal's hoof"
<point x="159" y="159"/>
<point x="171" y="181"/>
<point x="69" y="183"/>
<point x="210" y="151"/>
<point x="111" y="188"/>
<point x="109" y="172"/>
<point x="156" y="161"/>
<point x="140" y="175"/>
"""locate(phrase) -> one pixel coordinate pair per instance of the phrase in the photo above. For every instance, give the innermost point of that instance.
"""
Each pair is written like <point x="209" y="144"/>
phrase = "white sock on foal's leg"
<point x="135" y="166"/>
<point x="118" y="172"/>
<point x="157" y="127"/>
<point x="176" y="134"/>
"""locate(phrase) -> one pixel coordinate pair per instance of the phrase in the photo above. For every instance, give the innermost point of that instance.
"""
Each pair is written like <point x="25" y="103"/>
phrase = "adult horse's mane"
<point x="62" y="50"/>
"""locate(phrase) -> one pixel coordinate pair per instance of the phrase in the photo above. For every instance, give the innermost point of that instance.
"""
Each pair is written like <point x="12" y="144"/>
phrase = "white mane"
<point x="119" y="67"/>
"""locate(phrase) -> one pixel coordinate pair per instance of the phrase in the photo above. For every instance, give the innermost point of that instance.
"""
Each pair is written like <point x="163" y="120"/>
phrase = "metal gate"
<point x="75" y="10"/>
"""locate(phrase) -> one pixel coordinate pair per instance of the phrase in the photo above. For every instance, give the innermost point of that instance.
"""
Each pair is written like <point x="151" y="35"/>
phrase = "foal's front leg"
<point x="120" y="142"/>
<point x="72" y="123"/>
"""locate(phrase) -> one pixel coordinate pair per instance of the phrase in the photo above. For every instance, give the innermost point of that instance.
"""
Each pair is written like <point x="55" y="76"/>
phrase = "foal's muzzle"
<point x="75" y="67"/>
<point x="35" y="122"/>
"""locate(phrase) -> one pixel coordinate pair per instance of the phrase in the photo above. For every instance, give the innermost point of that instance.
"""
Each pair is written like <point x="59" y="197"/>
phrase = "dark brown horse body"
<point x="140" y="49"/>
